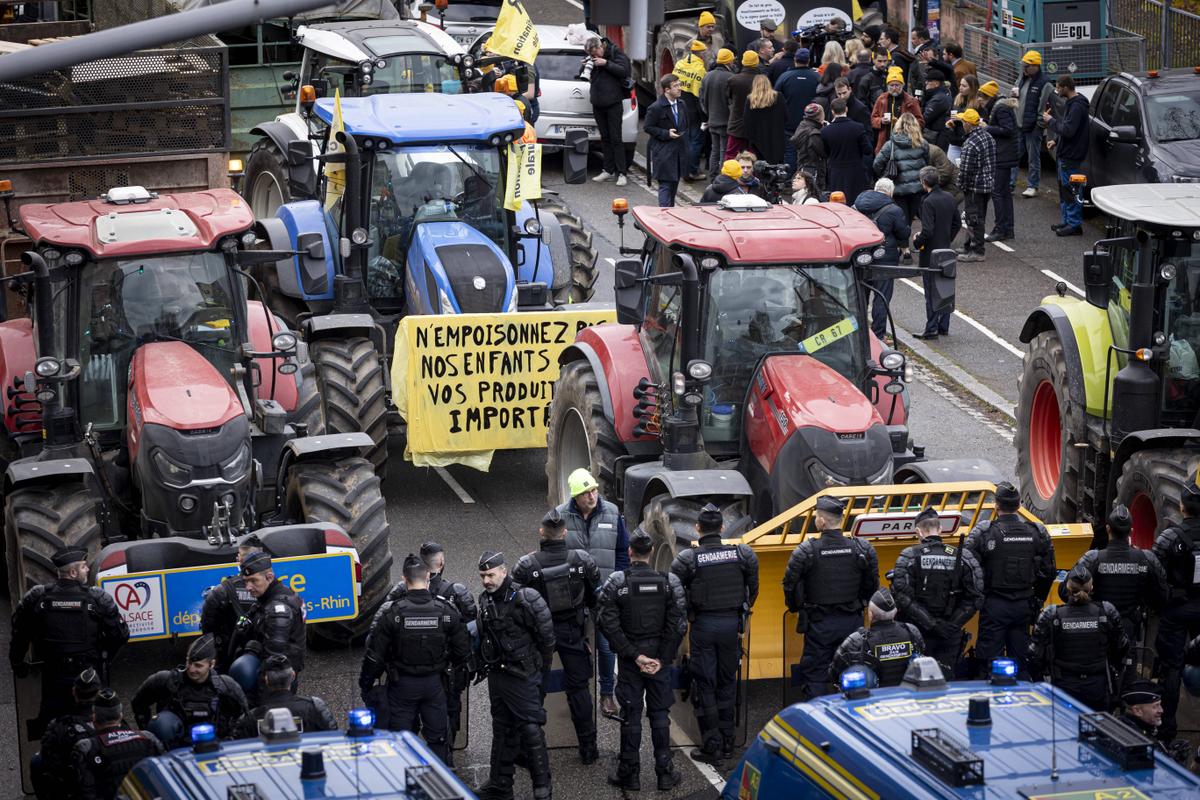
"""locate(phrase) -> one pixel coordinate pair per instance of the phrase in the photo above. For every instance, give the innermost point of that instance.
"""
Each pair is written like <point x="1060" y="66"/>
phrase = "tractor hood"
<point x="808" y="427"/>
<point x="172" y="385"/>
<point x="456" y="269"/>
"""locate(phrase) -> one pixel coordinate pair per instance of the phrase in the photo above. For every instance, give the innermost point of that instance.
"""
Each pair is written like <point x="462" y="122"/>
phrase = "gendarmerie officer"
<point x="1018" y="569"/>
<point x="516" y="639"/>
<point x="50" y="768"/>
<point x="414" y="639"/>
<point x="884" y="645"/>
<point x="828" y="581"/>
<point x="1143" y="711"/>
<point x="71" y="626"/>
<point x="276" y="624"/>
<point x="568" y="581"/>
<point x="311" y="713"/>
<point x="721" y="584"/>
<point x="1178" y="550"/>
<point x="1080" y="644"/>
<point x="938" y="588"/>
<point x="1128" y="577"/>
<point x="226" y="605"/>
<point x="189" y="695"/>
<point x="102" y="760"/>
<point x="644" y="613"/>
<point x="458" y="595"/>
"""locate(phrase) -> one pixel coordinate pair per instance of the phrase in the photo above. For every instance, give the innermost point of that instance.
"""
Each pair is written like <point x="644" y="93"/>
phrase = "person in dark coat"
<point x="859" y="69"/>
<point x="940" y="222"/>
<point x="855" y="109"/>
<point x="1070" y="131"/>
<point x="607" y="93"/>
<point x="736" y="92"/>
<point x="728" y="182"/>
<point x="785" y="63"/>
<point x="765" y="119"/>
<point x="807" y="146"/>
<point x="936" y="108"/>
<point x="909" y="153"/>
<point x="715" y="108"/>
<point x="825" y="94"/>
<point x="893" y="223"/>
<point x="1003" y="126"/>
<point x="666" y="121"/>
<point x="849" y="150"/>
<point x="798" y="86"/>
<point x="1032" y="96"/>
<point x="869" y="86"/>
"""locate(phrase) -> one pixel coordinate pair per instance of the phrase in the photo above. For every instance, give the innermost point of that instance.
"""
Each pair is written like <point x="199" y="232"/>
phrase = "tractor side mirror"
<point x="941" y="285"/>
<point x="302" y="178"/>
<point x="628" y="292"/>
<point x="575" y="156"/>
<point x="314" y="267"/>
<point x="1097" y="274"/>
<point x="1123" y="133"/>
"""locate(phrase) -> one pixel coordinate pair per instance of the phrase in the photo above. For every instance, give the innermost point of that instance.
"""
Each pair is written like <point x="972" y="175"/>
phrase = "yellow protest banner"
<point x="514" y="36"/>
<point x="469" y="384"/>
<point x="335" y="174"/>
<point x="690" y="72"/>
<point x="524" y="175"/>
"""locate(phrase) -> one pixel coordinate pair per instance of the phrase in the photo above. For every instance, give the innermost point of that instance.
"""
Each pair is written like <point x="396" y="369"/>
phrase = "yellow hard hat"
<point x="970" y="116"/>
<point x="895" y="75"/>
<point x="581" y="480"/>
<point x="749" y="59"/>
<point x="1032" y="57"/>
<point x="732" y="169"/>
<point x="724" y="56"/>
<point x="989" y="89"/>
<point x="706" y="18"/>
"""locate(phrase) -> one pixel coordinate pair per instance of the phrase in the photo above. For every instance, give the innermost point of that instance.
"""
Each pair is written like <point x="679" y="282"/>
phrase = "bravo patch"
<point x="893" y="651"/>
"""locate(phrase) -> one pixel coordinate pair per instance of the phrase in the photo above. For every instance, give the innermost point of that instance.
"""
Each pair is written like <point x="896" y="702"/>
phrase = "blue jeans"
<point x="1029" y="143"/>
<point x="1068" y="203"/>
<point x="695" y="146"/>
<point x="606" y="665"/>
<point x="666" y="193"/>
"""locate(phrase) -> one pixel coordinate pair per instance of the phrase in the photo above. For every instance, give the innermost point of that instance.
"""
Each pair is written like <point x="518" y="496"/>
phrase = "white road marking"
<point x="455" y="485"/>
<point x="979" y="326"/>
<point x="575" y="3"/>
<point x="612" y="262"/>
<point x="707" y="770"/>
<point x="1054" y="276"/>
<point x="1005" y="432"/>
<point x="1004" y="247"/>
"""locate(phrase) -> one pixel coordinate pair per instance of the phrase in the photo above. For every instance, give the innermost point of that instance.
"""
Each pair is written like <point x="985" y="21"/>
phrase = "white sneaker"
<point x="1030" y="192"/>
<point x="603" y="176"/>
<point x="622" y="180"/>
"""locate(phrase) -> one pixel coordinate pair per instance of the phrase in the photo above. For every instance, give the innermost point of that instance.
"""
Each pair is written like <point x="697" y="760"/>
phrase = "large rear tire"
<point x="40" y="520"/>
<point x="1048" y="427"/>
<point x="672" y="520"/>
<point x="1150" y="485"/>
<point x="347" y="494"/>
<point x="583" y="254"/>
<point x="579" y="435"/>
<point x="265" y="185"/>
<point x="350" y="377"/>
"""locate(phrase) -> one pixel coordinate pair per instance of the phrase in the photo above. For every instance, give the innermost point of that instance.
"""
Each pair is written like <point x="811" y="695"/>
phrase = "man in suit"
<point x="961" y="67"/>
<point x="940" y="222"/>
<point x="848" y="150"/>
<point x="666" y="122"/>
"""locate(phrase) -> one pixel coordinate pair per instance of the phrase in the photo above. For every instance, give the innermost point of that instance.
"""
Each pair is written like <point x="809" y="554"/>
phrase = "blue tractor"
<point x="422" y="229"/>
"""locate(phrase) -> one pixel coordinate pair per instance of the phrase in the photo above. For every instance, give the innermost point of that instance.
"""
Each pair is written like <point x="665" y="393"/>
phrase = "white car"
<point x="465" y="20"/>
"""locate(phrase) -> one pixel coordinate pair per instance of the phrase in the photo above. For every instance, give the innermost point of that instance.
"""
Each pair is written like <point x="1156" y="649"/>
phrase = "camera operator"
<point x="776" y="179"/>
<point x="608" y="70"/>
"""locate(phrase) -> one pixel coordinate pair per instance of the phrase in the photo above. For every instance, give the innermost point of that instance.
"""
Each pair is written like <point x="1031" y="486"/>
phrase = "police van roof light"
<point x="855" y="683"/>
<point x="1004" y="672"/>
<point x="360" y="722"/>
<point x="204" y="738"/>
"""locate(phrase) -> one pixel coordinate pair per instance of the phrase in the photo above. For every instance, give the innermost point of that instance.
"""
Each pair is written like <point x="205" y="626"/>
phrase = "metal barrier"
<point x="1145" y="18"/>
<point x="1088" y="61"/>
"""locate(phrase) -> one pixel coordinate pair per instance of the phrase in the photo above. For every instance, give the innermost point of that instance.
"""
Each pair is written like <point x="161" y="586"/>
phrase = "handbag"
<point x="892" y="170"/>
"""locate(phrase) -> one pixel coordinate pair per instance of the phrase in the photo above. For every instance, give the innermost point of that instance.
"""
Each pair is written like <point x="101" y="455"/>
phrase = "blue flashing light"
<point x="203" y="734"/>
<point x="853" y="680"/>
<point x="1004" y="671"/>
<point x="361" y="719"/>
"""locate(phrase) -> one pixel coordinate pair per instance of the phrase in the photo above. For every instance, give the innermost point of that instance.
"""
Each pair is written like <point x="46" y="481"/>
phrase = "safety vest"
<point x="1080" y="639"/>
<point x="419" y="644"/>
<point x="558" y="577"/>
<point x="1119" y="577"/>
<point x="70" y="624"/>
<point x="1009" y="549"/>
<point x="835" y="575"/>
<point x="935" y="577"/>
<point x="889" y="649"/>
<point x="597" y="535"/>
<point x="116" y="752"/>
<point x="644" y="607"/>
<point x="1183" y="561"/>
<point x="720" y="583"/>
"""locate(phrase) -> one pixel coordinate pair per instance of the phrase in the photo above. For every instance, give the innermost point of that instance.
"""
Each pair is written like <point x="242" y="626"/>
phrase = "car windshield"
<point x="810" y="309"/>
<point x="560" y="65"/>
<point x="1174" y="117"/>
<point x="443" y="182"/>
<point x="125" y="303"/>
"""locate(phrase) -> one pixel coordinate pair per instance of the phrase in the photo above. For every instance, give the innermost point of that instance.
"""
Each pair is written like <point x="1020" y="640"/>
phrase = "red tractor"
<point x="147" y="398"/>
<point x="741" y="370"/>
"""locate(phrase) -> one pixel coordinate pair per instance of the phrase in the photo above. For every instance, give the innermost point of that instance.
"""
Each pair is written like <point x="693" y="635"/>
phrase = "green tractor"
<point x="1109" y="407"/>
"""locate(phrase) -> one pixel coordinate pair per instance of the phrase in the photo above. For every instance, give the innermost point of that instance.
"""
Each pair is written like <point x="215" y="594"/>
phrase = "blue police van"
<point x="927" y="738"/>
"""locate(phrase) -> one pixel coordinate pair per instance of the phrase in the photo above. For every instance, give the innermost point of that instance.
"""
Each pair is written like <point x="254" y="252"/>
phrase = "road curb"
<point x="967" y="382"/>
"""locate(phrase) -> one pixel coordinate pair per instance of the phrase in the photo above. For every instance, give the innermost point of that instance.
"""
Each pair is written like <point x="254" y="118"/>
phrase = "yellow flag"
<point x="335" y="174"/>
<point x="514" y="36"/>
<point x="524" y="175"/>
<point x="856" y="10"/>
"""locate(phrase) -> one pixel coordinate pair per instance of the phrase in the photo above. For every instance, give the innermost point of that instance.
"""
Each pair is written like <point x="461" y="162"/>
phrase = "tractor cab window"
<point x="1181" y="323"/>
<point x="810" y="309"/>
<point x="126" y="303"/>
<point x="403" y="73"/>
<point x="660" y="330"/>
<point x="1124" y="260"/>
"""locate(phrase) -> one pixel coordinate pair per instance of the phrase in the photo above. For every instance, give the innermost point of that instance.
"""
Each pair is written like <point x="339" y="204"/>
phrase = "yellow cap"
<point x="520" y="106"/>
<point x="731" y="168"/>
<point x="706" y="18"/>
<point x="581" y="480"/>
<point x="698" y="46"/>
<point x="724" y="56"/>
<point x="970" y="116"/>
<point x="749" y="59"/>
<point x="1032" y="57"/>
<point x="895" y="75"/>
<point x="989" y="89"/>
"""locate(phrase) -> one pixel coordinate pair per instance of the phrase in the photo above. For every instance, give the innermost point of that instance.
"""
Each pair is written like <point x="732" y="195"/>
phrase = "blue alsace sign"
<point x="165" y="603"/>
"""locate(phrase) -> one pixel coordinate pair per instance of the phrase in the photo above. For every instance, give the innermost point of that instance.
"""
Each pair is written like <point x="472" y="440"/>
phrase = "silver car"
<point x="563" y="101"/>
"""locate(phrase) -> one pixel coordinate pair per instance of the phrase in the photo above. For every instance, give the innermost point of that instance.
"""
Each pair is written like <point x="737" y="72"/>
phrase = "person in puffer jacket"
<point x="908" y="148"/>
<point x="890" y="219"/>
<point x="1004" y="128"/>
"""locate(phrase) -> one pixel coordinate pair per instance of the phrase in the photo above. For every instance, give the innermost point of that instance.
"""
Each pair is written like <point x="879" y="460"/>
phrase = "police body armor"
<point x="720" y="584"/>
<point x="1080" y="640"/>
<point x="935" y="578"/>
<point x="644" y="610"/>
<point x="562" y="582"/>
<point x="70" y="626"/>
<point x="504" y="644"/>
<point x="194" y="704"/>
<point x="834" y="578"/>
<point x="1119" y="578"/>
<point x="117" y="752"/>
<point x="1008" y="557"/>
<point x="1183" y="564"/>
<point x="419" y="646"/>
<point x="889" y="648"/>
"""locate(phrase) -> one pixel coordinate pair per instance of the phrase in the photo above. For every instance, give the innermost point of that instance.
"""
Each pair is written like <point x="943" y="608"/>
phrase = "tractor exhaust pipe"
<point x="683" y="446"/>
<point x="43" y="300"/>
<point x="350" y="288"/>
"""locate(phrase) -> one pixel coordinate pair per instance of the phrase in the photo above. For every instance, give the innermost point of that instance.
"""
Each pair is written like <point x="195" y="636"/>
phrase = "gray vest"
<point x="599" y="537"/>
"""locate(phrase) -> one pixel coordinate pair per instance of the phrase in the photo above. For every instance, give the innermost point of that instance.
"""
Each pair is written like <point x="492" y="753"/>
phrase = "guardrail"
<point x="1088" y="61"/>
<point x="1182" y="45"/>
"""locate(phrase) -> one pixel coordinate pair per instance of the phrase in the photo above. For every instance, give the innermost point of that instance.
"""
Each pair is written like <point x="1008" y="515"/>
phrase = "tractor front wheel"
<point x="583" y="254"/>
<point x="350" y="377"/>
<point x="579" y="435"/>
<point x="1150" y="485"/>
<point x="40" y="520"/>
<point x="347" y="494"/>
<point x="265" y="185"/>
<point x="1048" y="426"/>
<point x="671" y="520"/>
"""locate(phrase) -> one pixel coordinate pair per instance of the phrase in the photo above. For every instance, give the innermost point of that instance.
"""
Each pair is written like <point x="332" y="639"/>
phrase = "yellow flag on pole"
<point x="524" y="175"/>
<point x="856" y="10"/>
<point x="514" y="36"/>
<point x="335" y="174"/>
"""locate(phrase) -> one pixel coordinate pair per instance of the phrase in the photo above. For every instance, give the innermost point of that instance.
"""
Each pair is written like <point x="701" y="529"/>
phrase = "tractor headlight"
<point x="366" y="66"/>
<point x="1167" y="272"/>
<point x="284" y="342"/>
<point x="862" y="259"/>
<point x="236" y="467"/>
<point x="173" y="473"/>
<point x="533" y="226"/>
<point x="699" y="369"/>
<point x="47" y="367"/>
<point x="879" y="253"/>
<point x="892" y="360"/>
<point x="359" y="236"/>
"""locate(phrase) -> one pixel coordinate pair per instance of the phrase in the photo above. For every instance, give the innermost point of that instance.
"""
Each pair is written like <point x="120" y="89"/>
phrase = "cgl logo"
<point x="127" y="594"/>
<point x="1063" y="31"/>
